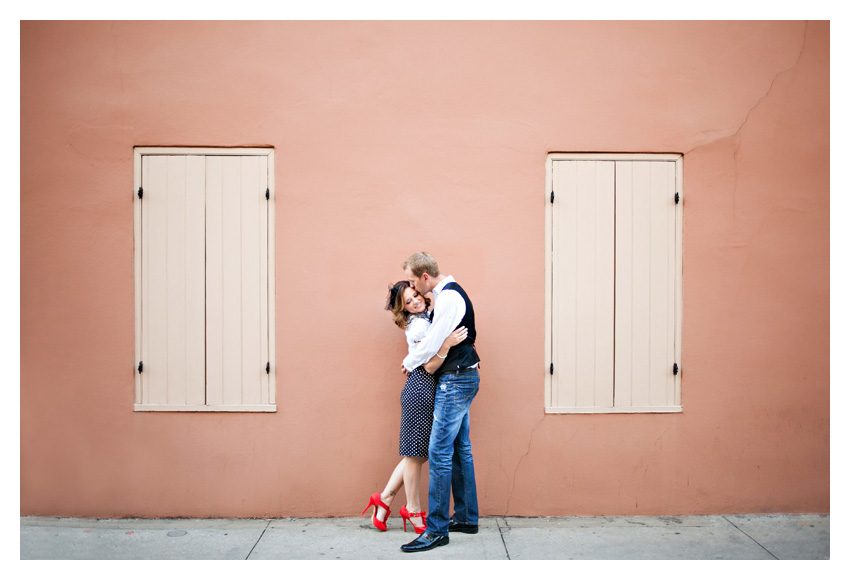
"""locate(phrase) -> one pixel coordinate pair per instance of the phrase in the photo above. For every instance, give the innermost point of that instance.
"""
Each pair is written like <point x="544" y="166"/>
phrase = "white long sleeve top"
<point x="417" y="328"/>
<point x="449" y="310"/>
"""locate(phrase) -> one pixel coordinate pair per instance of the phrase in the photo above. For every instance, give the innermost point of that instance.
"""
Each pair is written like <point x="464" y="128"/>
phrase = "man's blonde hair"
<point x="421" y="263"/>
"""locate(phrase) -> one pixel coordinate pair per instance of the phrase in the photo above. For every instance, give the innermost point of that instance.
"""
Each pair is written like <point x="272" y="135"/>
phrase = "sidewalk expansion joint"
<point x="502" y="530"/>
<point x="268" y="523"/>
<point x="750" y="537"/>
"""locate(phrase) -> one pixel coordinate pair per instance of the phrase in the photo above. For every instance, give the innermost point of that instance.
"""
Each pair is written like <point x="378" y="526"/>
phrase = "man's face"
<point x="422" y="284"/>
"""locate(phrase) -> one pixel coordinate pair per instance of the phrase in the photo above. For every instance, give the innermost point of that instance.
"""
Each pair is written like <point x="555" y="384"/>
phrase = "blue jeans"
<point x="450" y="453"/>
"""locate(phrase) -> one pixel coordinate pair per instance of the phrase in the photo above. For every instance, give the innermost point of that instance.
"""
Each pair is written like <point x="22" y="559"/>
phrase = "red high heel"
<point x="406" y="515"/>
<point x="375" y="500"/>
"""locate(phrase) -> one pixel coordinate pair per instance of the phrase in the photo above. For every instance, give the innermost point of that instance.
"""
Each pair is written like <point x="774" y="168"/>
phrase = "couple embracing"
<point x="442" y="380"/>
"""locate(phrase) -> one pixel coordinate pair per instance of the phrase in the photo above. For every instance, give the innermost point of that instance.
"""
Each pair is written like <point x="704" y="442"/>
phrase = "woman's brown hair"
<point x="395" y="303"/>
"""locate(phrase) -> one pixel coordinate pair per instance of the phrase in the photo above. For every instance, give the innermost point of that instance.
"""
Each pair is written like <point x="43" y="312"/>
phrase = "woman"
<point x="410" y="313"/>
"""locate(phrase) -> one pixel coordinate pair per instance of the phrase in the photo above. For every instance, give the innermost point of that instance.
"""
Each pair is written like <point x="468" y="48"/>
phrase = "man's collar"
<point x="439" y="287"/>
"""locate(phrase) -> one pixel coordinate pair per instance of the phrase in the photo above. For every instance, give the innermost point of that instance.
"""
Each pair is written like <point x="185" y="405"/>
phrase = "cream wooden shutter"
<point x="204" y="283"/>
<point x="237" y="258"/>
<point x="645" y="285"/>
<point x="172" y="278"/>
<point x="583" y="267"/>
<point x="613" y="300"/>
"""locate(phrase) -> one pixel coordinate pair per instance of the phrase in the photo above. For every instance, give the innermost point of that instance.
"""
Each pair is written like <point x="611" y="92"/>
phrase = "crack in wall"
<point x="516" y="468"/>
<point x="736" y="134"/>
<point x="737" y="138"/>
<point x="775" y="78"/>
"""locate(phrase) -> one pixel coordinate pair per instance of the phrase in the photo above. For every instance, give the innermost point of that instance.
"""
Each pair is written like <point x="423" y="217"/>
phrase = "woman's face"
<point x="413" y="301"/>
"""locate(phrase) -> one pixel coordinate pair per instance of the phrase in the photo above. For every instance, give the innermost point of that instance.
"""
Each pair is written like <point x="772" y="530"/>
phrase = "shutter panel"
<point x="645" y="290"/>
<point x="615" y="270"/>
<point x="172" y="280"/>
<point x="583" y="284"/>
<point x="237" y="267"/>
<point x="203" y="286"/>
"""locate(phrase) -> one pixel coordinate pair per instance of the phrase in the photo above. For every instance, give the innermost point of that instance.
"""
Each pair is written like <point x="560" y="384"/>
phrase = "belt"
<point x="459" y="371"/>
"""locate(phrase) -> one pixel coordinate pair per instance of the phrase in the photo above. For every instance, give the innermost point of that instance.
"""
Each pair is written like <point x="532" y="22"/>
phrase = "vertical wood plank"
<point x="553" y="383"/>
<point x="672" y="397"/>
<point x="195" y="280"/>
<point x="623" y="291"/>
<point x="677" y="271"/>
<point x="154" y="276"/>
<point x="263" y="242"/>
<point x="232" y="280"/>
<point x="214" y="280"/>
<point x="585" y="283"/>
<point x="176" y="277"/>
<point x="662" y="289"/>
<point x="564" y="324"/>
<point x="603" y="305"/>
<point x="641" y="268"/>
<point x="250" y="278"/>
<point x="138" y="246"/>
<point x="270" y="277"/>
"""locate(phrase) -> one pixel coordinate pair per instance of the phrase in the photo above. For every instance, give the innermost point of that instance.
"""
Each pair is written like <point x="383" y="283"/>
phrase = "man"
<point x="450" y="450"/>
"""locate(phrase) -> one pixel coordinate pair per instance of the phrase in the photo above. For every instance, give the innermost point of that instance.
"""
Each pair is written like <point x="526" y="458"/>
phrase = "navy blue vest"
<point x="462" y="355"/>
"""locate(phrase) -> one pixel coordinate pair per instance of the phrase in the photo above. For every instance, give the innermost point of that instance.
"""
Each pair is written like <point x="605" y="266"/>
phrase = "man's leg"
<point x="463" y="477"/>
<point x="451" y="406"/>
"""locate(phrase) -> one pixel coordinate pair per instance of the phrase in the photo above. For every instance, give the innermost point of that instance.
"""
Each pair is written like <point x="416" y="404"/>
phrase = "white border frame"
<point x="138" y="152"/>
<point x="677" y="347"/>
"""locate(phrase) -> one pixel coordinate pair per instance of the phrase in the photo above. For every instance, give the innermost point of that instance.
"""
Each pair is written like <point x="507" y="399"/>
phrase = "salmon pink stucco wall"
<point x="394" y="137"/>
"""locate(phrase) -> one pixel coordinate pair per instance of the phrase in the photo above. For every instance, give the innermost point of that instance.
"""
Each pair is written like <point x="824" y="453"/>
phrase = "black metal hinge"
<point x="675" y="369"/>
<point x="268" y="368"/>
<point x="140" y="192"/>
<point x="677" y="197"/>
<point x="551" y="368"/>
<point x="140" y="367"/>
<point x="552" y="198"/>
<point x="267" y="193"/>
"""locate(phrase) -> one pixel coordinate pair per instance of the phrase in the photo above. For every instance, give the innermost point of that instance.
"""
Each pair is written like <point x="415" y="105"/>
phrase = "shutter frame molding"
<point x="259" y="230"/>
<point x="665" y="391"/>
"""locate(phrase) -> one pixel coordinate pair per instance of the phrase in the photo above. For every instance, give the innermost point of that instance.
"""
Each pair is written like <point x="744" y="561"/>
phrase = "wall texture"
<point x="391" y="137"/>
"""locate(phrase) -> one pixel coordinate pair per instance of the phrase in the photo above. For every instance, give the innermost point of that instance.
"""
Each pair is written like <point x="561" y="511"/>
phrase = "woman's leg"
<point x="393" y="485"/>
<point x="412" y="479"/>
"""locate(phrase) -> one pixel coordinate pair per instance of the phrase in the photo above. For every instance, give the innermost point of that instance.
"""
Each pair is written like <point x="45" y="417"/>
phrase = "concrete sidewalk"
<point x="721" y="537"/>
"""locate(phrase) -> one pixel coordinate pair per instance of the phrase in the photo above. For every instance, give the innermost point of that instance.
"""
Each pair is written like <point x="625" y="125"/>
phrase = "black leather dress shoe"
<point x="462" y="528"/>
<point x="425" y="542"/>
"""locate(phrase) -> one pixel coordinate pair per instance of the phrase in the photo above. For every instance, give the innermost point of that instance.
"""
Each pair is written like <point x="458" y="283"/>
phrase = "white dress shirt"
<point x="449" y="310"/>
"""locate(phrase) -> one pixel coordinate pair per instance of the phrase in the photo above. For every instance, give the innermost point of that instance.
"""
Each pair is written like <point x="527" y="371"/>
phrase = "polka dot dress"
<point x="417" y="413"/>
